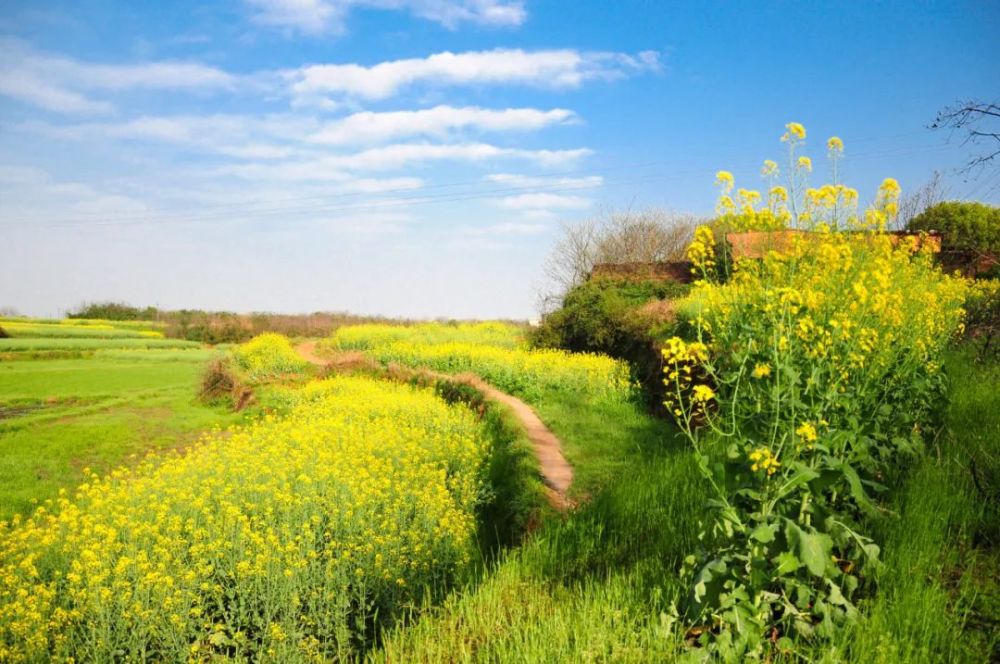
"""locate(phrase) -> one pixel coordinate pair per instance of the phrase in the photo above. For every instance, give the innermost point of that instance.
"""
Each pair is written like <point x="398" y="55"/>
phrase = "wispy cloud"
<point x="244" y="136"/>
<point x="526" y="181"/>
<point x="62" y="84"/>
<point x="396" y="157"/>
<point x="565" y="68"/>
<point x="544" y="201"/>
<point x="369" y="127"/>
<point x="320" y="17"/>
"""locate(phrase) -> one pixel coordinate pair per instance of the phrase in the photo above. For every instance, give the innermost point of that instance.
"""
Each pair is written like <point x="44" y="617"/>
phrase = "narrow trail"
<point x="557" y="474"/>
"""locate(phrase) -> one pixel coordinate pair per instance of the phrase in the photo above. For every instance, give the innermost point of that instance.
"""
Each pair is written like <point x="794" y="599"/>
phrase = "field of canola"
<point x="482" y="350"/>
<point x="73" y="334"/>
<point x="365" y="337"/>
<point x="286" y="540"/>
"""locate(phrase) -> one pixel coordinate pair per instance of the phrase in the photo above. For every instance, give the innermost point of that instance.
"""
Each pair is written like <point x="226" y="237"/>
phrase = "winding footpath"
<point x="557" y="474"/>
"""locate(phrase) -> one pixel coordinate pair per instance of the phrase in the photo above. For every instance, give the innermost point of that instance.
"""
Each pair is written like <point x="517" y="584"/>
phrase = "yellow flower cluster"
<point x="685" y="396"/>
<point x="701" y="252"/>
<point x="794" y="131"/>
<point x="762" y="458"/>
<point x="516" y="370"/>
<point x="363" y="337"/>
<point x="267" y="356"/>
<point x="275" y="542"/>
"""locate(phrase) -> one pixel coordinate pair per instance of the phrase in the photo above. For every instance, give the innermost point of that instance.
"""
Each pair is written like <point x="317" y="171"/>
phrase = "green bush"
<point x="113" y="311"/>
<point x="970" y="235"/>
<point x="605" y="316"/>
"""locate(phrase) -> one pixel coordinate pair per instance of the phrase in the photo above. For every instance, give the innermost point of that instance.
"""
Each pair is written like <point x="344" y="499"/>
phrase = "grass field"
<point x="599" y="583"/>
<point x="60" y="416"/>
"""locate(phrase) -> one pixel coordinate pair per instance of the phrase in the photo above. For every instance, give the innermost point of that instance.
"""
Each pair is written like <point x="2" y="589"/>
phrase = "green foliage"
<point x="113" y="311"/>
<point x="982" y="320"/>
<point x="599" y="317"/>
<point x="606" y="316"/>
<point x="970" y="235"/>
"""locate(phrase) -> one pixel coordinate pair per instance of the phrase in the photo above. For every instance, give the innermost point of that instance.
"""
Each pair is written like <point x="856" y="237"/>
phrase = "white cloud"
<point x="565" y="68"/>
<point x="526" y="181"/>
<point x="397" y="156"/>
<point x="30" y="89"/>
<point x="544" y="201"/>
<point x="240" y="136"/>
<point x="31" y="194"/>
<point x="511" y="228"/>
<point x="370" y="127"/>
<point x="317" y="17"/>
<point x="59" y="84"/>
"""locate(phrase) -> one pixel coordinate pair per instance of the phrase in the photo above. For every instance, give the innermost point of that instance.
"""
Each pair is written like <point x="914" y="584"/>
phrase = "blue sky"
<point x="416" y="157"/>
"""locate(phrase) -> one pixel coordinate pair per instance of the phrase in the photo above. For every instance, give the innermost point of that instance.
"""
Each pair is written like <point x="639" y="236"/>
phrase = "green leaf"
<point x="803" y="474"/>
<point x="764" y="533"/>
<point x="787" y="563"/>
<point x="813" y="549"/>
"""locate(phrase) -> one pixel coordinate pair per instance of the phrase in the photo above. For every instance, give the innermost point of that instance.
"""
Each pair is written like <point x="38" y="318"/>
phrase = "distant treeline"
<point x="214" y="327"/>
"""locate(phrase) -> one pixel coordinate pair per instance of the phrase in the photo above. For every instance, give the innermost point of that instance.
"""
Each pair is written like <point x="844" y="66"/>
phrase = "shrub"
<point x="267" y="356"/>
<point x="805" y="378"/>
<point x="982" y="322"/>
<point x="113" y="311"/>
<point x="219" y="383"/>
<point x="612" y="317"/>
<point x="970" y="235"/>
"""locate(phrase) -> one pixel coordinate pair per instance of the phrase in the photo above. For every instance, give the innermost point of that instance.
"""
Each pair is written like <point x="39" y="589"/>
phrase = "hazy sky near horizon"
<point x="416" y="157"/>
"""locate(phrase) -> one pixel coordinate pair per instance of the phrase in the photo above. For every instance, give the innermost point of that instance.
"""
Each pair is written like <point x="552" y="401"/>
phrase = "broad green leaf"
<point x="764" y="533"/>
<point x="813" y="549"/>
<point x="787" y="563"/>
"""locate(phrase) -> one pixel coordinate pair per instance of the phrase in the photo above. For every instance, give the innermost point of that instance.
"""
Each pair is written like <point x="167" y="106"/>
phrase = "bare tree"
<point x="929" y="194"/>
<point x="980" y="121"/>
<point x="650" y="235"/>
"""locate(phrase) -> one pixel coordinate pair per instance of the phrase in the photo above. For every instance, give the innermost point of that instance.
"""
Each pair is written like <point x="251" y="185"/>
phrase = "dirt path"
<point x="556" y="472"/>
<point x="308" y="352"/>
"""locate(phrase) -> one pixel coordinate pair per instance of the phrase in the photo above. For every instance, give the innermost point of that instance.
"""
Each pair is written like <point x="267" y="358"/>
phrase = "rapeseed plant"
<point x="287" y="540"/>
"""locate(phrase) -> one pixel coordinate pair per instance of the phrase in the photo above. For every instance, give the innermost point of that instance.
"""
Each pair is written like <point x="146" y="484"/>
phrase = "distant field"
<point x="89" y="343"/>
<point x="29" y="330"/>
<point x="87" y="322"/>
<point x="59" y="416"/>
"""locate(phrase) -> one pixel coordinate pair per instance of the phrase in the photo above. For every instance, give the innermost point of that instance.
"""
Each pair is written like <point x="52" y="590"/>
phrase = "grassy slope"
<point x="587" y="587"/>
<point x="591" y="587"/>
<point x="59" y="416"/>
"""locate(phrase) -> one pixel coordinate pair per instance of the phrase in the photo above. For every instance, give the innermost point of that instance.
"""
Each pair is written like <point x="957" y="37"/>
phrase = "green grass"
<point x="59" y="416"/>
<point x="938" y="595"/>
<point x="588" y="587"/>
<point x="90" y="343"/>
<point x="597" y="585"/>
